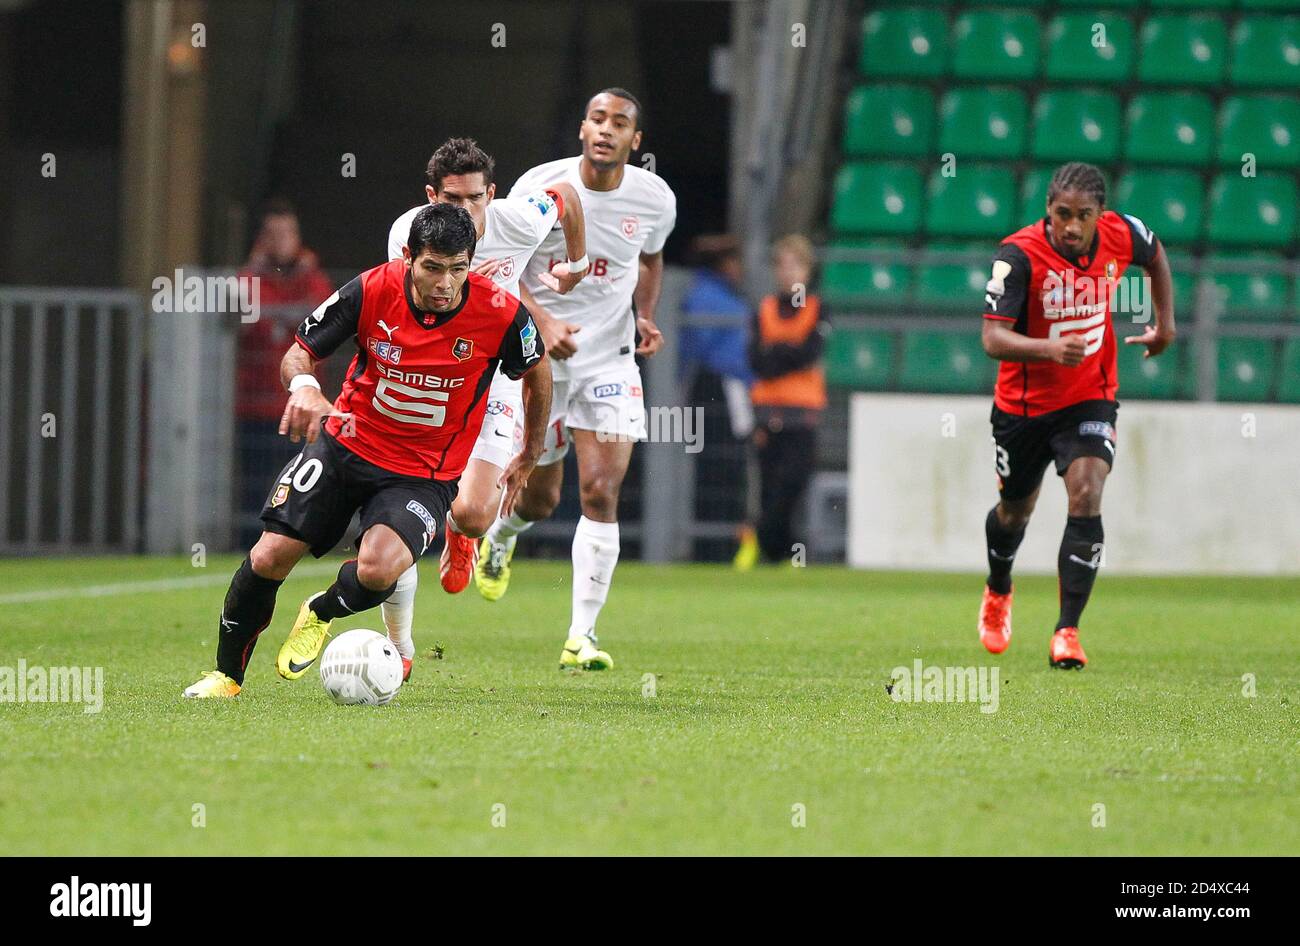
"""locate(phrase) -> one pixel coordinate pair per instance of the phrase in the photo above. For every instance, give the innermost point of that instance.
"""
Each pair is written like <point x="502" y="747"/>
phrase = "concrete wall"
<point x="1196" y="488"/>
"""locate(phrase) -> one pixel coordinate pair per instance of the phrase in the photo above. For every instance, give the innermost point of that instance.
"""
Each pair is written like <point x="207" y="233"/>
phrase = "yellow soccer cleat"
<point x="212" y="685"/>
<point x="747" y="554"/>
<point x="304" y="643"/>
<point x="580" y="653"/>
<point x="492" y="572"/>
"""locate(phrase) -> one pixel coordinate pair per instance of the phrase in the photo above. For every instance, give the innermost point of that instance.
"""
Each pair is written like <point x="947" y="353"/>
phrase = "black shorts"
<point x="1023" y="446"/>
<point x="316" y="494"/>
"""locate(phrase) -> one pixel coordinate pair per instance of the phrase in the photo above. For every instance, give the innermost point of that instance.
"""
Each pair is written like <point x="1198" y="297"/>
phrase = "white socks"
<point x="507" y="527"/>
<point x="399" y="612"/>
<point x="595" y="553"/>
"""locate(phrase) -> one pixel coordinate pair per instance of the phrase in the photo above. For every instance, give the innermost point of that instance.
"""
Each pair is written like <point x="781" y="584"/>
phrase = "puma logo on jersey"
<point x="389" y="331"/>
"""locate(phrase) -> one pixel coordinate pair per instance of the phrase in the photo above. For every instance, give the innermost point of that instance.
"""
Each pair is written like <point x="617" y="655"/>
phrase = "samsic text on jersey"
<point x="1046" y="295"/>
<point x="416" y="388"/>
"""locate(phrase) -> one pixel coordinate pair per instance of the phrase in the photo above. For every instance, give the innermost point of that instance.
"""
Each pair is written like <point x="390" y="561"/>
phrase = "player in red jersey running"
<point x="1048" y="319"/>
<point x="429" y="335"/>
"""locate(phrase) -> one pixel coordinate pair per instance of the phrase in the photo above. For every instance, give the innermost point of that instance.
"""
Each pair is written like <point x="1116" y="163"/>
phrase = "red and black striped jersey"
<point x="1045" y="295"/>
<point x="417" y="387"/>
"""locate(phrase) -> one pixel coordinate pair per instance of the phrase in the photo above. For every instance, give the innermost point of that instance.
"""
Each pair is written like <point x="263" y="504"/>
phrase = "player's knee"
<point x="1014" y="517"/>
<point x="600" y="497"/>
<point x="472" y="520"/>
<point x="538" y="502"/>
<point x="378" y="570"/>
<point x="271" y="558"/>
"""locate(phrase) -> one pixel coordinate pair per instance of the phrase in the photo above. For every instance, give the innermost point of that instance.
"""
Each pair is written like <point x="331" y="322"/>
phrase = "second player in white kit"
<point x="590" y="334"/>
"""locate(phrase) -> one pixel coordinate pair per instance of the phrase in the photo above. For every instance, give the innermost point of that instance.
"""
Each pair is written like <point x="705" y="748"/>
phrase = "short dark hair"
<point x="443" y="228"/>
<point x="622" y="94"/>
<point x="1077" y="176"/>
<point x="459" y="156"/>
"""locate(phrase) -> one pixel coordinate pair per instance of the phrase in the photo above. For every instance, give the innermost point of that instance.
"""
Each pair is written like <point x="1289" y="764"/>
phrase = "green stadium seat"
<point x="1163" y="378"/>
<point x="995" y="45"/>
<point x="867" y="282"/>
<point x="904" y="41"/>
<point x="862" y="359"/>
<point x="983" y="123"/>
<point x="889" y="120"/>
<point x="953" y="288"/>
<point x="1073" y="57"/>
<point x="1007" y="3"/>
<point x="1170" y="128"/>
<point x="1167" y="201"/>
<point x="1266" y="51"/>
<point x="946" y="362"/>
<point x="1258" y="295"/>
<point x="1288" y="388"/>
<point x="1246" y="369"/>
<point x="880" y="197"/>
<point x="1267" y="126"/>
<point x="1076" y="126"/>
<point x="1033" y="194"/>
<point x="1194" y="4"/>
<point x="1188" y="50"/>
<point x="1184" y="289"/>
<point x="1266" y="4"/>
<point x="978" y="201"/>
<point x="1252" y="211"/>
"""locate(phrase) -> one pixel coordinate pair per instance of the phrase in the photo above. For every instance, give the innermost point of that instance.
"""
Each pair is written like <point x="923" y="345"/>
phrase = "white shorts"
<point x="502" y="433"/>
<point x="610" y="402"/>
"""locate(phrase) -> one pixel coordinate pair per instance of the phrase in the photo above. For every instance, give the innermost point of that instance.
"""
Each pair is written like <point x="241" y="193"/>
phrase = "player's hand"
<point x="303" y="413"/>
<point x="560" y="280"/>
<point x="486" y="266"/>
<point x="515" y="478"/>
<point x="557" y="336"/>
<point x="1155" y="340"/>
<point x="1067" y="350"/>
<point x="651" y="338"/>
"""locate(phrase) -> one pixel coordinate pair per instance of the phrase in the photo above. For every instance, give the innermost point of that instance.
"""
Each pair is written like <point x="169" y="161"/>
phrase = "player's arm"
<point x="649" y="286"/>
<point x="318" y="337"/>
<point x="1150" y="255"/>
<point x="565" y="275"/>
<point x="523" y="355"/>
<point x="1006" y="298"/>
<point x="557" y="335"/>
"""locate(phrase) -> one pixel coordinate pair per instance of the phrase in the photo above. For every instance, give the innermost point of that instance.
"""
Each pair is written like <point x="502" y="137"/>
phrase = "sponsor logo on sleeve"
<point x="528" y="339"/>
<point x="543" y="203"/>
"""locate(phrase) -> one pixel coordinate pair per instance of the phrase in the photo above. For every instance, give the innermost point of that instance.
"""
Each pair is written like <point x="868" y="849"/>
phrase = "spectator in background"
<point x="290" y="284"/>
<point x="785" y="352"/>
<point x="714" y="368"/>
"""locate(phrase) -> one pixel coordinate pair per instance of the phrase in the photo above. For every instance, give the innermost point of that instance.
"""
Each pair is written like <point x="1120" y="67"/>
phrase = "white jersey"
<point x="513" y="228"/>
<point x="621" y="224"/>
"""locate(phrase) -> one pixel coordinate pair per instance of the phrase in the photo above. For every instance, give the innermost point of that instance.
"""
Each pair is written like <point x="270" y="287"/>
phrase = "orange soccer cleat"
<point x="995" y="621"/>
<point x="406" y="669"/>
<point x="1066" y="653"/>
<point x="456" y="567"/>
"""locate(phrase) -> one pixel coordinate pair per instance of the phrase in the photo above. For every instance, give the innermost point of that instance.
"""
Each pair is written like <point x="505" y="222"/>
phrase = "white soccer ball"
<point x="361" y="668"/>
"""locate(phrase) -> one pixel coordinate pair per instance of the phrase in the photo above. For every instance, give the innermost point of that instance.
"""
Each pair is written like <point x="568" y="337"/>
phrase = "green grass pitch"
<point x="769" y="708"/>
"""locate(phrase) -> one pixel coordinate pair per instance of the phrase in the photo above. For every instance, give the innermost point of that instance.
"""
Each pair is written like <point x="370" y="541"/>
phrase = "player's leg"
<point x="535" y="502"/>
<point x="249" y="605"/>
<point x="1085" y="449"/>
<point x="1022" y="451"/>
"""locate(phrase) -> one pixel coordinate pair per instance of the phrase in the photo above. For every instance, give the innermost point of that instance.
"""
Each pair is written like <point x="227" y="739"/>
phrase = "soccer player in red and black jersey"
<point x="429" y="335"/>
<point x="1048" y="319"/>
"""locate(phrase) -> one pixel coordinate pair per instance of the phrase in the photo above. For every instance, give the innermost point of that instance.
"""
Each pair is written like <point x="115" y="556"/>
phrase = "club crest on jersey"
<point x="463" y="349"/>
<point x="1112" y="268"/>
<point x="386" y="351"/>
<point x="630" y="226"/>
<point x="507" y="268"/>
<point x="281" y="495"/>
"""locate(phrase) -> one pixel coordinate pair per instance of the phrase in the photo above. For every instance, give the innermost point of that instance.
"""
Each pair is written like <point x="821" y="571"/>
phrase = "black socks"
<point x="1077" y="564"/>
<point x="1001" y="545"/>
<point x="348" y="596"/>
<point x="250" y="602"/>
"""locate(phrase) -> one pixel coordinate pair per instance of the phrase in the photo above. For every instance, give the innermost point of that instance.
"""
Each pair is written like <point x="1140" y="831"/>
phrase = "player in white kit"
<point x="509" y="232"/>
<point x="590" y="336"/>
